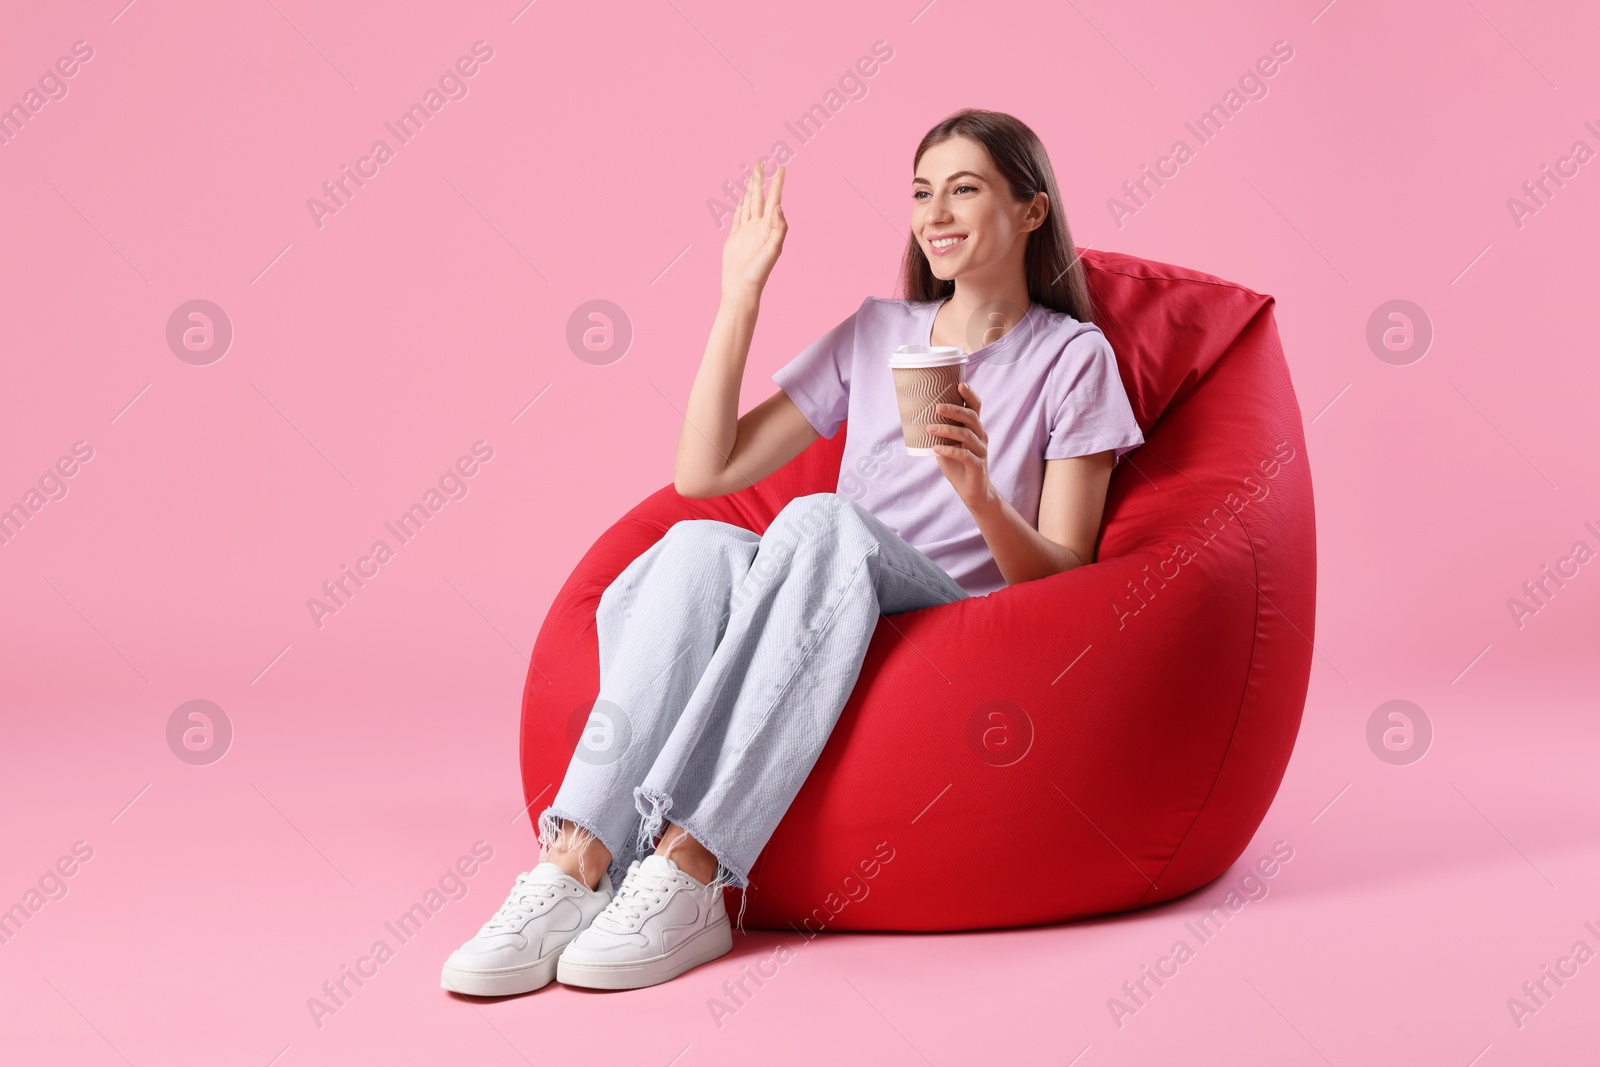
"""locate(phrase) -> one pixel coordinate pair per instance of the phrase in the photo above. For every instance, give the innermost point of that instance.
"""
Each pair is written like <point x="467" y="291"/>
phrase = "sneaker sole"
<point x="504" y="983"/>
<point x="705" y="946"/>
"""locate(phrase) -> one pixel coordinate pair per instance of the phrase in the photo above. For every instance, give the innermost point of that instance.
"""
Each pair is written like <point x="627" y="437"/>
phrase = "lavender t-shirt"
<point x="1049" y="389"/>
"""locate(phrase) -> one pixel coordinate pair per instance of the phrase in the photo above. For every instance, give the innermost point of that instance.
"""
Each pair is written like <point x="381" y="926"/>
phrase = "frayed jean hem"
<point x="653" y="805"/>
<point x="549" y="831"/>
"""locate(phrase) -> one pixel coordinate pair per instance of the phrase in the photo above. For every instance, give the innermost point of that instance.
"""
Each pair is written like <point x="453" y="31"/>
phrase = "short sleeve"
<point x="1089" y="408"/>
<point x="818" y="379"/>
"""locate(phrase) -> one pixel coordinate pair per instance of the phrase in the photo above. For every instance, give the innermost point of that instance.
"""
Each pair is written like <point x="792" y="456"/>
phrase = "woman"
<point x="726" y="657"/>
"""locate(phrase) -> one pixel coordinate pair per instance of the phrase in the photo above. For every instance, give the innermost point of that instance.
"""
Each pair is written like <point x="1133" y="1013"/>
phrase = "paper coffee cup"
<point x="923" y="378"/>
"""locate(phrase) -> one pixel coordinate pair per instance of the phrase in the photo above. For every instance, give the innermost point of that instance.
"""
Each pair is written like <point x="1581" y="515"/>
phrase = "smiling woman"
<point x="991" y="268"/>
<point x="729" y="654"/>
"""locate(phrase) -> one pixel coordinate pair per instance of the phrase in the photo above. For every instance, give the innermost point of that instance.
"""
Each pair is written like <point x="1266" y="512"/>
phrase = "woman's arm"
<point x="1071" y="501"/>
<point x="719" y="452"/>
<point x="764" y="439"/>
<point x="1071" y="504"/>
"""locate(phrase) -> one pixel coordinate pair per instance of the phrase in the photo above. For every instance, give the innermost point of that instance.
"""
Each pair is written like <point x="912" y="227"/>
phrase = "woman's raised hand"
<point x="756" y="239"/>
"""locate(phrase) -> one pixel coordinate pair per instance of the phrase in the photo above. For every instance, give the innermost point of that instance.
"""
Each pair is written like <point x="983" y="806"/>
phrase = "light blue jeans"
<point x="725" y="659"/>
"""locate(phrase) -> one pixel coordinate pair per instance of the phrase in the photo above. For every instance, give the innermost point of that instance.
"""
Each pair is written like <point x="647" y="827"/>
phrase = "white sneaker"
<point x="516" y="951"/>
<point x="661" y="923"/>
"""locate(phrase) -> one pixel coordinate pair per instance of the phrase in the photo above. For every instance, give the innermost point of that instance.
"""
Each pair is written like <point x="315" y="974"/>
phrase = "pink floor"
<point x="1417" y="901"/>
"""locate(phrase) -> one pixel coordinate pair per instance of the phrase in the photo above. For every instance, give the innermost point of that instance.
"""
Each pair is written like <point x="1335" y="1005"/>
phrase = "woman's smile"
<point x="944" y="244"/>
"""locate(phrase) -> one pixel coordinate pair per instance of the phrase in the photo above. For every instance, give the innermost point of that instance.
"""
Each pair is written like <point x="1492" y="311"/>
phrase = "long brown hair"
<point x="1054" y="273"/>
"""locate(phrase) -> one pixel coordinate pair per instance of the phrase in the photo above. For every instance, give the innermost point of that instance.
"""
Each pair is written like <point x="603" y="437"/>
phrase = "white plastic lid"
<point x="923" y="356"/>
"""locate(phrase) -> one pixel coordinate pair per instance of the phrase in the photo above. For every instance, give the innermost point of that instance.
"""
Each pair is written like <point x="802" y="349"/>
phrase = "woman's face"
<point x="958" y="193"/>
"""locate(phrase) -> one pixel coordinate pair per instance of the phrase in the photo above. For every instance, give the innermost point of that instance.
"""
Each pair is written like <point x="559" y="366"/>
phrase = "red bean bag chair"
<point x="1116" y="731"/>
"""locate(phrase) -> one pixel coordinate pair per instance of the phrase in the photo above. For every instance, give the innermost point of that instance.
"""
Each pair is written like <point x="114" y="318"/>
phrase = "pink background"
<point x="428" y="313"/>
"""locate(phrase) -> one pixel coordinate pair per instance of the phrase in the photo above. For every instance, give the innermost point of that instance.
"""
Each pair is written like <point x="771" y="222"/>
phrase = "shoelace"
<point x="638" y="894"/>
<point x="523" y="902"/>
